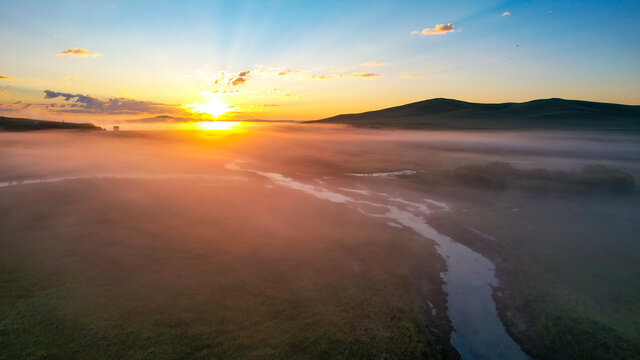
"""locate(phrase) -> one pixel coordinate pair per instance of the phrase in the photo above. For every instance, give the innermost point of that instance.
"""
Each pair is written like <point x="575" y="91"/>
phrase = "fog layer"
<point x="277" y="241"/>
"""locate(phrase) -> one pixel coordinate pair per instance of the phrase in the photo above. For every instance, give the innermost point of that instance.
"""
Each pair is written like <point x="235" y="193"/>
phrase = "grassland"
<point x="232" y="269"/>
<point x="568" y="266"/>
<point x="567" y="255"/>
<point x="119" y="269"/>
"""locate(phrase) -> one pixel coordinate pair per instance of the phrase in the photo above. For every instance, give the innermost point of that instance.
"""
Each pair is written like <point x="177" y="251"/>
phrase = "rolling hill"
<point x="441" y="113"/>
<point x="21" y="124"/>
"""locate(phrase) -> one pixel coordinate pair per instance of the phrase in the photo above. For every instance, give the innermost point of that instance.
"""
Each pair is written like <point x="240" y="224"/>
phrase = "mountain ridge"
<point x="443" y="113"/>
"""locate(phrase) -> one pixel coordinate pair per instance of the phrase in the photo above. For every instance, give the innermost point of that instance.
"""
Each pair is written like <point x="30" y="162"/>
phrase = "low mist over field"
<point x="361" y="243"/>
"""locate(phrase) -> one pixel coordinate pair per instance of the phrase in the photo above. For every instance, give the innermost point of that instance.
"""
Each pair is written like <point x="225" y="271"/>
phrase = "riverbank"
<point x="517" y="323"/>
<point x="548" y="316"/>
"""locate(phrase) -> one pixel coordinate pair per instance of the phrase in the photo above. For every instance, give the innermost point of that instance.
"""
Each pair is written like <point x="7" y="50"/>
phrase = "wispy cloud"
<point x="238" y="81"/>
<point x="5" y="77"/>
<point x="225" y="78"/>
<point x="344" y="76"/>
<point x="307" y="75"/>
<point x="249" y="83"/>
<point x="285" y="94"/>
<point x="68" y="78"/>
<point x="506" y="13"/>
<point x="241" y="79"/>
<point x="77" y="52"/>
<point x="78" y="103"/>
<point x="365" y="75"/>
<point x="235" y="79"/>
<point x="412" y="76"/>
<point x="13" y="107"/>
<point x="279" y="72"/>
<point x="220" y="92"/>
<point x="439" y="29"/>
<point x="287" y="72"/>
<point x="374" y="63"/>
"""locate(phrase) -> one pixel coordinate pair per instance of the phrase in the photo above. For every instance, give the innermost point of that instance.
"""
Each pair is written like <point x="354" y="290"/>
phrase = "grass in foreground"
<point x="126" y="269"/>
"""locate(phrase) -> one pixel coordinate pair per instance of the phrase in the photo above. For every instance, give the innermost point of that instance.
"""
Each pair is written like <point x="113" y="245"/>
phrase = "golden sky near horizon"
<point x="282" y="60"/>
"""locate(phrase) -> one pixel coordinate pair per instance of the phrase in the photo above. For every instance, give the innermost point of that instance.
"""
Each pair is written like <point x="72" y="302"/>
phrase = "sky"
<point x="297" y="60"/>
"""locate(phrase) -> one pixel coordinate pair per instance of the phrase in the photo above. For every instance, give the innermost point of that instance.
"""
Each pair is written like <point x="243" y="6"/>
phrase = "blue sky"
<point x="155" y="51"/>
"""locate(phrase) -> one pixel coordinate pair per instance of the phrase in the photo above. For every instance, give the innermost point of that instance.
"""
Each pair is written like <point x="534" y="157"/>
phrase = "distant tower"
<point x="116" y="128"/>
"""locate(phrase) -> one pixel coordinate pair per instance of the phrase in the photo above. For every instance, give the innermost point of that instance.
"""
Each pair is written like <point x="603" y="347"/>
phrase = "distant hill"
<point x="440" y="113"/>
<point x="20" y="124"/>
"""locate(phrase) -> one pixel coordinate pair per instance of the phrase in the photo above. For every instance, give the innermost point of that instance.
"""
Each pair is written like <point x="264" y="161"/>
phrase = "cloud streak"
<point x="374" y="63"/>
<point x="67" y="79"/>
<point x="77" y="52"/>
<point x="344" y="76"/>
<point x="222" y="78"/>
<point x="78" y="103"/>
<point x="412" y="76"/>
<point x="5" y="77"/>
<point x="13" y="107"/>
<point x="236" y="79"/>
<point x="287" y="72"/>
<point x="306" y="75"/>
<point x="439" y="29"/>
<point x="506" y="13"/>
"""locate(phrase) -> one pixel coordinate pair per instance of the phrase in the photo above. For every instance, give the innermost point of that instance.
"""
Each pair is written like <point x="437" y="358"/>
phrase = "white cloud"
<point x="439" y="29"/>
<point x="374" y="63"/>
<point x="77" y="52"/>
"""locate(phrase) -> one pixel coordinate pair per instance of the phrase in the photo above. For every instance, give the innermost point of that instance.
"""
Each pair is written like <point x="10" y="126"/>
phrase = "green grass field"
<point x="83" y="277"/>
<point x="575" y="260"/>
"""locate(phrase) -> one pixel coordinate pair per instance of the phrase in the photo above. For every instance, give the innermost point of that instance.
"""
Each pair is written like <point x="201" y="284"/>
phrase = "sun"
<point x="214" y="107"/>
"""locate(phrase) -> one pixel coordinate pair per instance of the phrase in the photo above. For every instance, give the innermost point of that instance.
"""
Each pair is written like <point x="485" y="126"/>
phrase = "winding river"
<point x="479" y="333"/>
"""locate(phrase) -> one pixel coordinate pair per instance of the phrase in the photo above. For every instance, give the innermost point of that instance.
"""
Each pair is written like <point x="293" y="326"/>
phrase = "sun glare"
<point x="214" y="107"/>
<point x="217" y="125"/>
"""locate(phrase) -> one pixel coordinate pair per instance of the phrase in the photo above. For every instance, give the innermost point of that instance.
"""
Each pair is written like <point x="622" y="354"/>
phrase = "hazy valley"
<point x="361" y="243"/>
